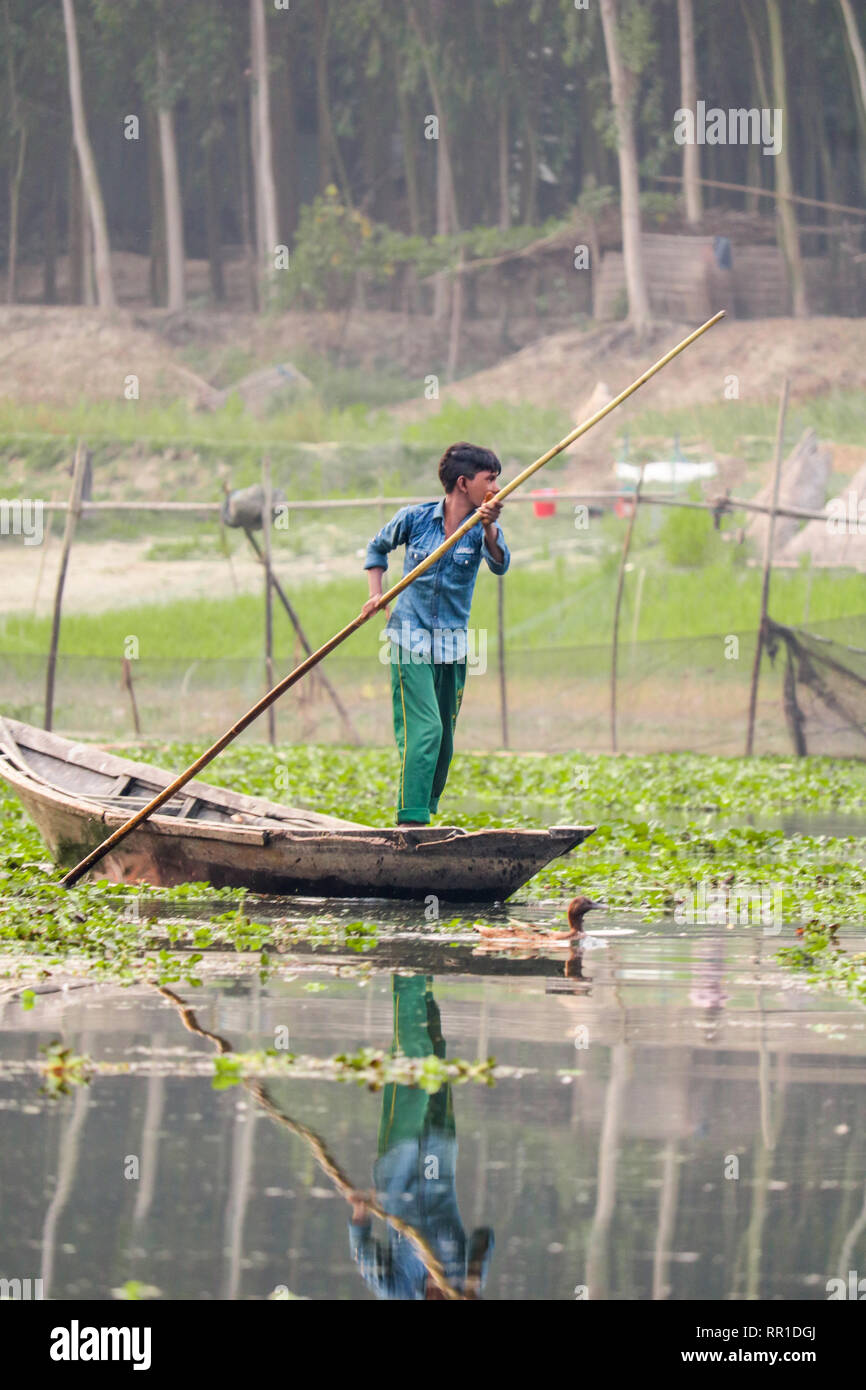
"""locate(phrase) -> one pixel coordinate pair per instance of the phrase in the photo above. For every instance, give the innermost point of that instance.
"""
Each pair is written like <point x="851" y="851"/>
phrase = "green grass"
<point x="561" y="605"/>
<point x="748" y="428"/>
<point x="310" y="421"/>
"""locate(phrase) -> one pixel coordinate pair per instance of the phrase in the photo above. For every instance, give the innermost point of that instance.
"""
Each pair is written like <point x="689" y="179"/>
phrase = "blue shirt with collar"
<point x="432" y="614"/>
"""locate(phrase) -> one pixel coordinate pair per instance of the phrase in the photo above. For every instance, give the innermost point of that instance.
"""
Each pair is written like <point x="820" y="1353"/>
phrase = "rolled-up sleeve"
<point x="496" y="566"/>
<point x="395" y="532"/>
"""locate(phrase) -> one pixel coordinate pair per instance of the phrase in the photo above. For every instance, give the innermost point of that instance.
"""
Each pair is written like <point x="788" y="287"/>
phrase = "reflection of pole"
<point x="846" y="1254"/>
<point x="153" y="1111"/>
<point x="768" y="563"/>
<point x="667" y="1220"/>
<point x="605" y="1201"/>
<point x="619" y="587"/>
<point x="242" y="1162"/>
<point x="239" y="1192"/>
<point x="67" y="1164"/>
<point x="322" y="1157"/>
<point x="771" y="1126"/>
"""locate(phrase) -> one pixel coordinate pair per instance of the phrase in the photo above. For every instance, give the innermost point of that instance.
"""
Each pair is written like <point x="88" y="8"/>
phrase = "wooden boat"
<point x="77" y="794"/>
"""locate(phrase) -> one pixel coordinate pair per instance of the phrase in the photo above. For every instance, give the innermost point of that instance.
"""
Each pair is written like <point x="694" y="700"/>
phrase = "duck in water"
<point x="523" y="935"/>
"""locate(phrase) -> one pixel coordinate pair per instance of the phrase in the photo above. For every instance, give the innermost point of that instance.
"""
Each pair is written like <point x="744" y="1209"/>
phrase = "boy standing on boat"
<point x="428" y="627"/>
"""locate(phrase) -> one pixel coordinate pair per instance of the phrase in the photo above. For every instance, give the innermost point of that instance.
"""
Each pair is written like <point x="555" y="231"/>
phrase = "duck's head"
<point x="577" y="910"/>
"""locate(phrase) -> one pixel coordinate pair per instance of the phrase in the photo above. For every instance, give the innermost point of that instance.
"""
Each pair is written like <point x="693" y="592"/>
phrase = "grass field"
<point x="548" y="604"/>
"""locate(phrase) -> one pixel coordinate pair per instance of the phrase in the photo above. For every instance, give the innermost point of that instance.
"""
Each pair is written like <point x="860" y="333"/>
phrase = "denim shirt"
<point x="431" y="616"/>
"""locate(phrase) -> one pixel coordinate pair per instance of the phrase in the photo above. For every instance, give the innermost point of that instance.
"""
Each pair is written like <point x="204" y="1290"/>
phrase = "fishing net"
<point x="824" y="688"/>
<point x="684" y="695"/>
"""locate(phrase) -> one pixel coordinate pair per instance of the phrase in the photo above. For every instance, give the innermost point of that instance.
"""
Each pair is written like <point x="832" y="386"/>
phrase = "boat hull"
<point x="267" y="853"/>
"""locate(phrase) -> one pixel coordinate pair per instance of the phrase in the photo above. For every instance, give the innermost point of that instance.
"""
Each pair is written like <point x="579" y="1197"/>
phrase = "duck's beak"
<point x="593" y="902"/>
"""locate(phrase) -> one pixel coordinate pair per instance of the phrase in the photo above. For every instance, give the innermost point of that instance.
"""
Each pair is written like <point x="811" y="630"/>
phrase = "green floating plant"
<point x="825" y="963"/>
<point x="62" y="1068"/>
<point x="366" y="1067"/>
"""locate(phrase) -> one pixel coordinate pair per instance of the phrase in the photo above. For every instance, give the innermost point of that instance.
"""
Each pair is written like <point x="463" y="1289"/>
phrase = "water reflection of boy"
<point x="416" y="1170"/>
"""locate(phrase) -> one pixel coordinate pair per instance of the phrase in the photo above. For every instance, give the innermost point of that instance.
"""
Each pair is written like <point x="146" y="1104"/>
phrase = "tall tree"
<point x="267" y="236"/>
<point x="171" y="195"/>
<point x="688" y="99"/>
<point x="788" y="228"/>
<point x="16" y="163"/>
<point x="856" y="46"/>
<point x="622" y="81"/>
<point x="89" y="177"/>
<point x="446" y="198"/>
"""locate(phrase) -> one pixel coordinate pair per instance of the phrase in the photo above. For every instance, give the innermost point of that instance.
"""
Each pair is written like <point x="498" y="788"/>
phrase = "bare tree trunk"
<point x="408" y="133"/>
<point x="156" y="248"/>
<point x="621" y="84"/>
<point x="503" y="141"/>
<point x="49" y="237"/>
<point x="755" y="159"/>
<point x="447" y="221"/>
<point x="213" y="224"/>
<point x="246" y="211"/>
<point x="267" y="236"/>
<point x="323" y="140"/>
<point x="688" y="99"/>
<point x="330" y="160"/>
<point x="788" y="229"/>
<point x="171" y="195"/>
<point x="75" y="231"/>
<point x="14" y="205"/>
<point x="856" y="46"/>
<point x="16" y="170"/>
<point x="88" y="284"/>
<point x="286" y="153"/>
<point x="89" y="177"/>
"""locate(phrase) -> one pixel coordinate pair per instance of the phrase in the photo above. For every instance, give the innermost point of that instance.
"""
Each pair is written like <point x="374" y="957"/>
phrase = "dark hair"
<point x="464" y="461"/>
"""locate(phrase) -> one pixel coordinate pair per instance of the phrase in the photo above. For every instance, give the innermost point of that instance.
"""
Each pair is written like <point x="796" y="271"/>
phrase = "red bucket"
<point x="544" y="508"/>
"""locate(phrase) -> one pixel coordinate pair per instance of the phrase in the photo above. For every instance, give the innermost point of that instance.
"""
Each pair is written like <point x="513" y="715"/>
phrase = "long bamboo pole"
<point x="768" y="565"/>
<point x="300" y="671"/>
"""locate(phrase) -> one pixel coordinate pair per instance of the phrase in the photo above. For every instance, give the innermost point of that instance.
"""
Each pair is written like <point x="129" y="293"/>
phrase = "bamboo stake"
<point x="72" y="516"/>
<point x="619" y="588"/>
<point x="280" y="592"/>
<point x="269" y="594"/>
<point x="127" y="685"/>
<point x="768" y="563"/>
<point x="45" y="543"/>
<point x="300" y="671"/>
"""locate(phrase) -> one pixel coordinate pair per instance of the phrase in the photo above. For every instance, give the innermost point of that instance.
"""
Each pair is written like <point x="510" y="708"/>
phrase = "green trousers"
<point x="426" y="698"/>
<point x="409" y="1112"/>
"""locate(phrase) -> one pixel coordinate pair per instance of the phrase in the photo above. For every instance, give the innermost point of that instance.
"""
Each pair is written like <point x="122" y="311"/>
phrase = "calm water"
<point x="712" y="1143"/>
